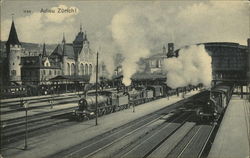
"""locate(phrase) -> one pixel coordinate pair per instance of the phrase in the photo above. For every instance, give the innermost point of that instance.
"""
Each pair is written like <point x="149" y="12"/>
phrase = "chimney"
<point x="170" y="50"/>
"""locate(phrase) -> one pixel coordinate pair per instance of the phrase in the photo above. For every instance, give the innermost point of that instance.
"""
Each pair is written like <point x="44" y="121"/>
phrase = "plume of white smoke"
<point x="139" y="29"/>
<point x="193" y="66"/>
<point x="131" y="39"/>
<point x="129" y="65"/>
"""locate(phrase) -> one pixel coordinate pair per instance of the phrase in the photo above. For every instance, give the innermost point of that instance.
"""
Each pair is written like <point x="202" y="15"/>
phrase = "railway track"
<point x="14" y="129"/>
<point x="143" y="137"/>
<point x="17" y="100"/>
<point x="36" y="104"/>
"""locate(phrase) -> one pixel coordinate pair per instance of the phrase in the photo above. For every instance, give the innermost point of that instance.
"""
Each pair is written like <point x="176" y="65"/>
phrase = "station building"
<point x="67" y="59"/>
<point x="230" y="62"/>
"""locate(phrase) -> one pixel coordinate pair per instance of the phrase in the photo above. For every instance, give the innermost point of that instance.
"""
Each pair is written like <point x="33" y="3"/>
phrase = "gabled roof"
<point x="80" y="37"/>
<point x="69" y="50"/>
<point x="57" y="51"/>
<point x="13" y="39"/>
<point x="64" y="50"/>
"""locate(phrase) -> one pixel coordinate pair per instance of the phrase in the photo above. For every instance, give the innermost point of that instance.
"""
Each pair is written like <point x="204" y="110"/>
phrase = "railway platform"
<point x="55" y="141"/>
<point x="233" y="137"/>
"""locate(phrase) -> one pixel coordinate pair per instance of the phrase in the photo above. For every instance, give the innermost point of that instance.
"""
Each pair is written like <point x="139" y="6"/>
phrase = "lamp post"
<point x="25" y="105"/>
<point x="96" y="81"/>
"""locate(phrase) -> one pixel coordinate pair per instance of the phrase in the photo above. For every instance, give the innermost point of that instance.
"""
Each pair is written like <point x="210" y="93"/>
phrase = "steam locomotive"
<point x="112" y="101"/>
<point x="216" y="103"/>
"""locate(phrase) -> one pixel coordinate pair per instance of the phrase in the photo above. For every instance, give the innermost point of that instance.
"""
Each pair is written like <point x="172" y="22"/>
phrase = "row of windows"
<point x="12" y="90"/>
<point x="56" y="72"/>
<point x="43" y="72"/>
<point x="156" y="63"/>
<point x="84" y="70"/>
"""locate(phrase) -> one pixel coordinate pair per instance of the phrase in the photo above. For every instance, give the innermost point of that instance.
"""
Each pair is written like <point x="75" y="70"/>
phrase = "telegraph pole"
<point x="25" y="105"/>
<point x="96" y="89"/>
<point x="26" y="128"/>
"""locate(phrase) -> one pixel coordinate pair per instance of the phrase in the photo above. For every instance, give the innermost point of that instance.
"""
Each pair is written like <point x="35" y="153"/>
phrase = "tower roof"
<point x="63" y="41"/>
<point x="13" y="38"/>
<point x="44" y="51"/>
<point x="81" y="27"/>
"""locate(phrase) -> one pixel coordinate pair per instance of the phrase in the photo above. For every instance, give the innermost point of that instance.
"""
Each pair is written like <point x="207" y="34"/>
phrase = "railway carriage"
<point x="171" y="92"/>
<point x="136" y="97"/>
<point x="13" y="91"/>
<point x="157" y="90"/>
<point x="149" y="95"/>
<point x="217" y="102"/>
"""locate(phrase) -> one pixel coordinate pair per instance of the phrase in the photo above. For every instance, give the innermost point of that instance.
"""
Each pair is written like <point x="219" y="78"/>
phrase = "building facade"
<point x="230" y="61"/>
<point x="14" y="51"/>
<point x="66" y="59"/>
<point x="154" y="64"/>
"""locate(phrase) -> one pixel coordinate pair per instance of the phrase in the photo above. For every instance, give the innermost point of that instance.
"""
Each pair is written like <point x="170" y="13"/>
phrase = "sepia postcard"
<point x="125" y="79"/>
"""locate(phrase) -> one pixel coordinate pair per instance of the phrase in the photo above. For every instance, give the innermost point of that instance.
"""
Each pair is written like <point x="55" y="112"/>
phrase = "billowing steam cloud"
<point x="193" y="66"/>
<point x="140" y="29"/>
<point x="132" y="41"/>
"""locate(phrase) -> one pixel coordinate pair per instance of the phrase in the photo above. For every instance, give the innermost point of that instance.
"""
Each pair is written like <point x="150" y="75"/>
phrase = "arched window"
<point x="68" y="68"/>
<point x="73" y="69"/>
<point x="86" y="69"/>
<point x="158" y="63"/>
<point x="82" y="69"/>
<point x="90" y="69"/>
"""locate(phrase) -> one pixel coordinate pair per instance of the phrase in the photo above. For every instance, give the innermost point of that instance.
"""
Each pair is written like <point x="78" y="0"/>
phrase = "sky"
<point x="135" y="29"/>
<point x="168" y="21"/>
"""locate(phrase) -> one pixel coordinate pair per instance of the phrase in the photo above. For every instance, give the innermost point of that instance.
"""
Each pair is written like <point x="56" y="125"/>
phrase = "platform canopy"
<point x="148" y="76"/>
<point x="61" y="78"/>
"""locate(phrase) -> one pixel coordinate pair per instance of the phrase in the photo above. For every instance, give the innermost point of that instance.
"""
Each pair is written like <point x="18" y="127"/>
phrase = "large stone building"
<point x="230" y="61"/>
<point x="154" y="62"/>
<point x="67" y="59"/>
